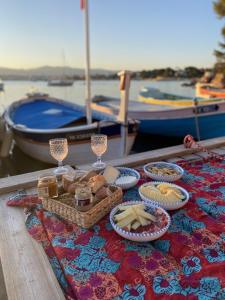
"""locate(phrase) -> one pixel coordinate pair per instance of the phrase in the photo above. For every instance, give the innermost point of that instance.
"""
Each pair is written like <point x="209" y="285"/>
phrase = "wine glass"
<point x="59" y="151"/>
<point x="99" y="147"/>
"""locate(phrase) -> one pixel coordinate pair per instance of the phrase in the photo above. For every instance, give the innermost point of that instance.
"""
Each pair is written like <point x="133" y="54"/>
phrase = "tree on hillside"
<point x="219" y="7"/>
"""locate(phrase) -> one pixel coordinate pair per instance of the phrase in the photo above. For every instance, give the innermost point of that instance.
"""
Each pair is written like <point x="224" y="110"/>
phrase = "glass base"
<point x="99" y="165"/>
<point x="60" y="171"/>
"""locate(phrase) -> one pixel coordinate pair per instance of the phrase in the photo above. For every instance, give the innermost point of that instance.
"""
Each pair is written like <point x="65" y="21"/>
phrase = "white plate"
<point x="166" y="205"/>
<point x="168" y="178"/>
<point x="128" y="172"/>
<point x="139" y="237"/>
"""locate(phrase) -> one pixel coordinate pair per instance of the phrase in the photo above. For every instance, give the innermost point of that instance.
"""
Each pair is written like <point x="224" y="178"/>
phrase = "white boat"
<point x="60" y="82"/>
<point x="35" y="120"/>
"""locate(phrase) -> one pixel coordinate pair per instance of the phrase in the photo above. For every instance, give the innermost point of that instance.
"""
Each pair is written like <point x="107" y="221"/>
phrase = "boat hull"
<point x="174" y="122"/>
<point x="35" y="142"/>
<point x="208" y="91"/>
<point x="209" y="126"/>
<point x="80" y="153"/>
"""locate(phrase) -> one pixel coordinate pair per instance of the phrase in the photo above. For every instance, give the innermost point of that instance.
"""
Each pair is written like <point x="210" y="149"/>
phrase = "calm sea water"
<point x="19" y="163"/>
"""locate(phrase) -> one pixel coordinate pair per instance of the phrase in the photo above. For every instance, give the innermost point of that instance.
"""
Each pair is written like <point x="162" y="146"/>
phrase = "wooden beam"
<point x="29" y="180"/>
<point x="26" y="269"/>
<point x="190" y="157"/>
<point x="24" y="181"/>
<point x="219" y="151"/>
<point x="3" y="295"/>
<point x="174" y="159"/>
<point x="161" y="154"/>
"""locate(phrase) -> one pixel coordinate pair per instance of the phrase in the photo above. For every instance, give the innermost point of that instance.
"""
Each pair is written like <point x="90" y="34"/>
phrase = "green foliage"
<point x="219" y="8"/>
<point x="188" y="72"/>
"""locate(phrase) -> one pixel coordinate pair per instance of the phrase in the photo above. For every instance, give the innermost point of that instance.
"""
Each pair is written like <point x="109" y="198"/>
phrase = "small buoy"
<point x="6" y="143"/>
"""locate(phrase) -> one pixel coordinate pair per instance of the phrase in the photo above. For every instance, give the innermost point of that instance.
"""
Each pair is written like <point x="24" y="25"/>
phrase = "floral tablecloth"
<point x="188" y="262"/>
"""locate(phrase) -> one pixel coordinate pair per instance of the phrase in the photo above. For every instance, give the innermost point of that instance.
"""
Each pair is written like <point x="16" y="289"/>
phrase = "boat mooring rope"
<point x="189" y="143"/>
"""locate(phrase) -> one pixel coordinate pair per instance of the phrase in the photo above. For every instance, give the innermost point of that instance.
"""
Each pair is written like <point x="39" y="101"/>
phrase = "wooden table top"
<point x="26" y="269"/>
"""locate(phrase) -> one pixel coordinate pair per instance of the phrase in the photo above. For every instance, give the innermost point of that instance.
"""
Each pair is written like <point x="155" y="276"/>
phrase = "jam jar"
<point x="83" y="198"/>
<point x="47" y="186"/>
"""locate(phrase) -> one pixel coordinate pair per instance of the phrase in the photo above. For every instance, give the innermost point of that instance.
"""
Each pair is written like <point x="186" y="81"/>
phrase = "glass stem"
<point x="99" y="161"/>
<point x="60" y="163"/>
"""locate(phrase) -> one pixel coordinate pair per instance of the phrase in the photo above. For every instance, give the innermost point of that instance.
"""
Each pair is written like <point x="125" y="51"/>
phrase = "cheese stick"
<point x="146" y="215"/>
<point x="126" y="221"/>
<point x="135" y="225"/>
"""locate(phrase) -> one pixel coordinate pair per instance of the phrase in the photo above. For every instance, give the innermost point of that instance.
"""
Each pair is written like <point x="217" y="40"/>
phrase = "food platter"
<point x="167" y="195"/>
<point x="151" y="231"/>
<point x="125" y="178"/>
<point x="163" y="171"/>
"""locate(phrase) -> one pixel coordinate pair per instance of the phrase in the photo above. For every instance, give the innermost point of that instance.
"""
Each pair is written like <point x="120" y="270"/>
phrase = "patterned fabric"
<point x="188" y="262"/>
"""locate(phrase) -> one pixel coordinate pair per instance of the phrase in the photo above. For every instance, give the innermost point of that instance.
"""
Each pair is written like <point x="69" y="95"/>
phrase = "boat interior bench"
<point x="25" y="267"/>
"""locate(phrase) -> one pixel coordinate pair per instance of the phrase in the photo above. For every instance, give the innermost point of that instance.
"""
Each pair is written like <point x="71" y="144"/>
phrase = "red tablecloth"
<point x="188" y="262"/>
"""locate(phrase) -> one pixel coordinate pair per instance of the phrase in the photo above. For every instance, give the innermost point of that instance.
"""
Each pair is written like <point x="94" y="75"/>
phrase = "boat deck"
<point x="133" y="105"/>
<point x="26" y="269"/>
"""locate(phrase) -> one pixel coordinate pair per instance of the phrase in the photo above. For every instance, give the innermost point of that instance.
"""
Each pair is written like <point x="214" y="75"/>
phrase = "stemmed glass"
<point x="99" y="147"/>
<point x="59" y="151"/>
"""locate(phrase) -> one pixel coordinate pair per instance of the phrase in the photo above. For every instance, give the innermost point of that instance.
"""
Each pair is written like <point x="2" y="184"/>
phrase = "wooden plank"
<point x="174" y="159"/>
<point x="29" y="180"/>
<point x="219" y="151"/>
<point x="202" y="154"/>
<point x="161" y="154"/>
<point x="27" y="272"/>
<point x="190" y="157"/>
<point x="24" y="181"/>
<point x="3" y="295"/>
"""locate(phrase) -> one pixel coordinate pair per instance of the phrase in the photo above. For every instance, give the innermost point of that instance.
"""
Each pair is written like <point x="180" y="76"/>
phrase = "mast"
<point x="84" y="5"/>
<point x="122" y="117"/>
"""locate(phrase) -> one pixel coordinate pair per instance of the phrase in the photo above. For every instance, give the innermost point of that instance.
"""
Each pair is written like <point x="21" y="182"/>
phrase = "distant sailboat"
<point x="64" y="81"/>
<point x="61" y="82"/>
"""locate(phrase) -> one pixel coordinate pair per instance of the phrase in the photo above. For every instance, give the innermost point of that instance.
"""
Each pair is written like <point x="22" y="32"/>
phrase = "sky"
<point x="124" y="34"/>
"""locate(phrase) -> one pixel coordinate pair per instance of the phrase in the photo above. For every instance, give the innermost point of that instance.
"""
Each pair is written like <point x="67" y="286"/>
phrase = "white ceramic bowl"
<point x="139" y="237"/>
<point x="128" y="172"/>
<point x="166" y="205"/>
<point x="168" y="178"/>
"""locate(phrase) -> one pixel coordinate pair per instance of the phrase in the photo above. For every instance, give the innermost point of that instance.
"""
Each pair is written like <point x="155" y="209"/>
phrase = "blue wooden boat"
<point x="37" y="119"/>
<point x="171" y="121"/>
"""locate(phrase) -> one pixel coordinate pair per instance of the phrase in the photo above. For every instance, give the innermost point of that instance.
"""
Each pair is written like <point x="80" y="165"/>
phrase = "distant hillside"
<point x="47" y="72"/>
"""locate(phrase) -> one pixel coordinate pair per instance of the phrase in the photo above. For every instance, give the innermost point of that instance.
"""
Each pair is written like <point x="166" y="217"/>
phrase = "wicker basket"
<point x="62" y="207"/>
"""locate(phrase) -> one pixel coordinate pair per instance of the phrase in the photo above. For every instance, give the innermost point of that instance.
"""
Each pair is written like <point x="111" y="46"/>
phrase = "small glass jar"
<point x="83" y="198"/>
<point x="47" y="186"/>
<point x="67" y="180"/>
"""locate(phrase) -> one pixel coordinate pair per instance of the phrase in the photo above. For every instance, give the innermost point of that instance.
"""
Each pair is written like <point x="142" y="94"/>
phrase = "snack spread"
<point x="96" y="182"/>
<point x="136" y="218"/>
<point x="162" y="170"/>
<point x="162" y="192"/>
<point x="88" y="189"/>
<point x="117" y="177"/>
